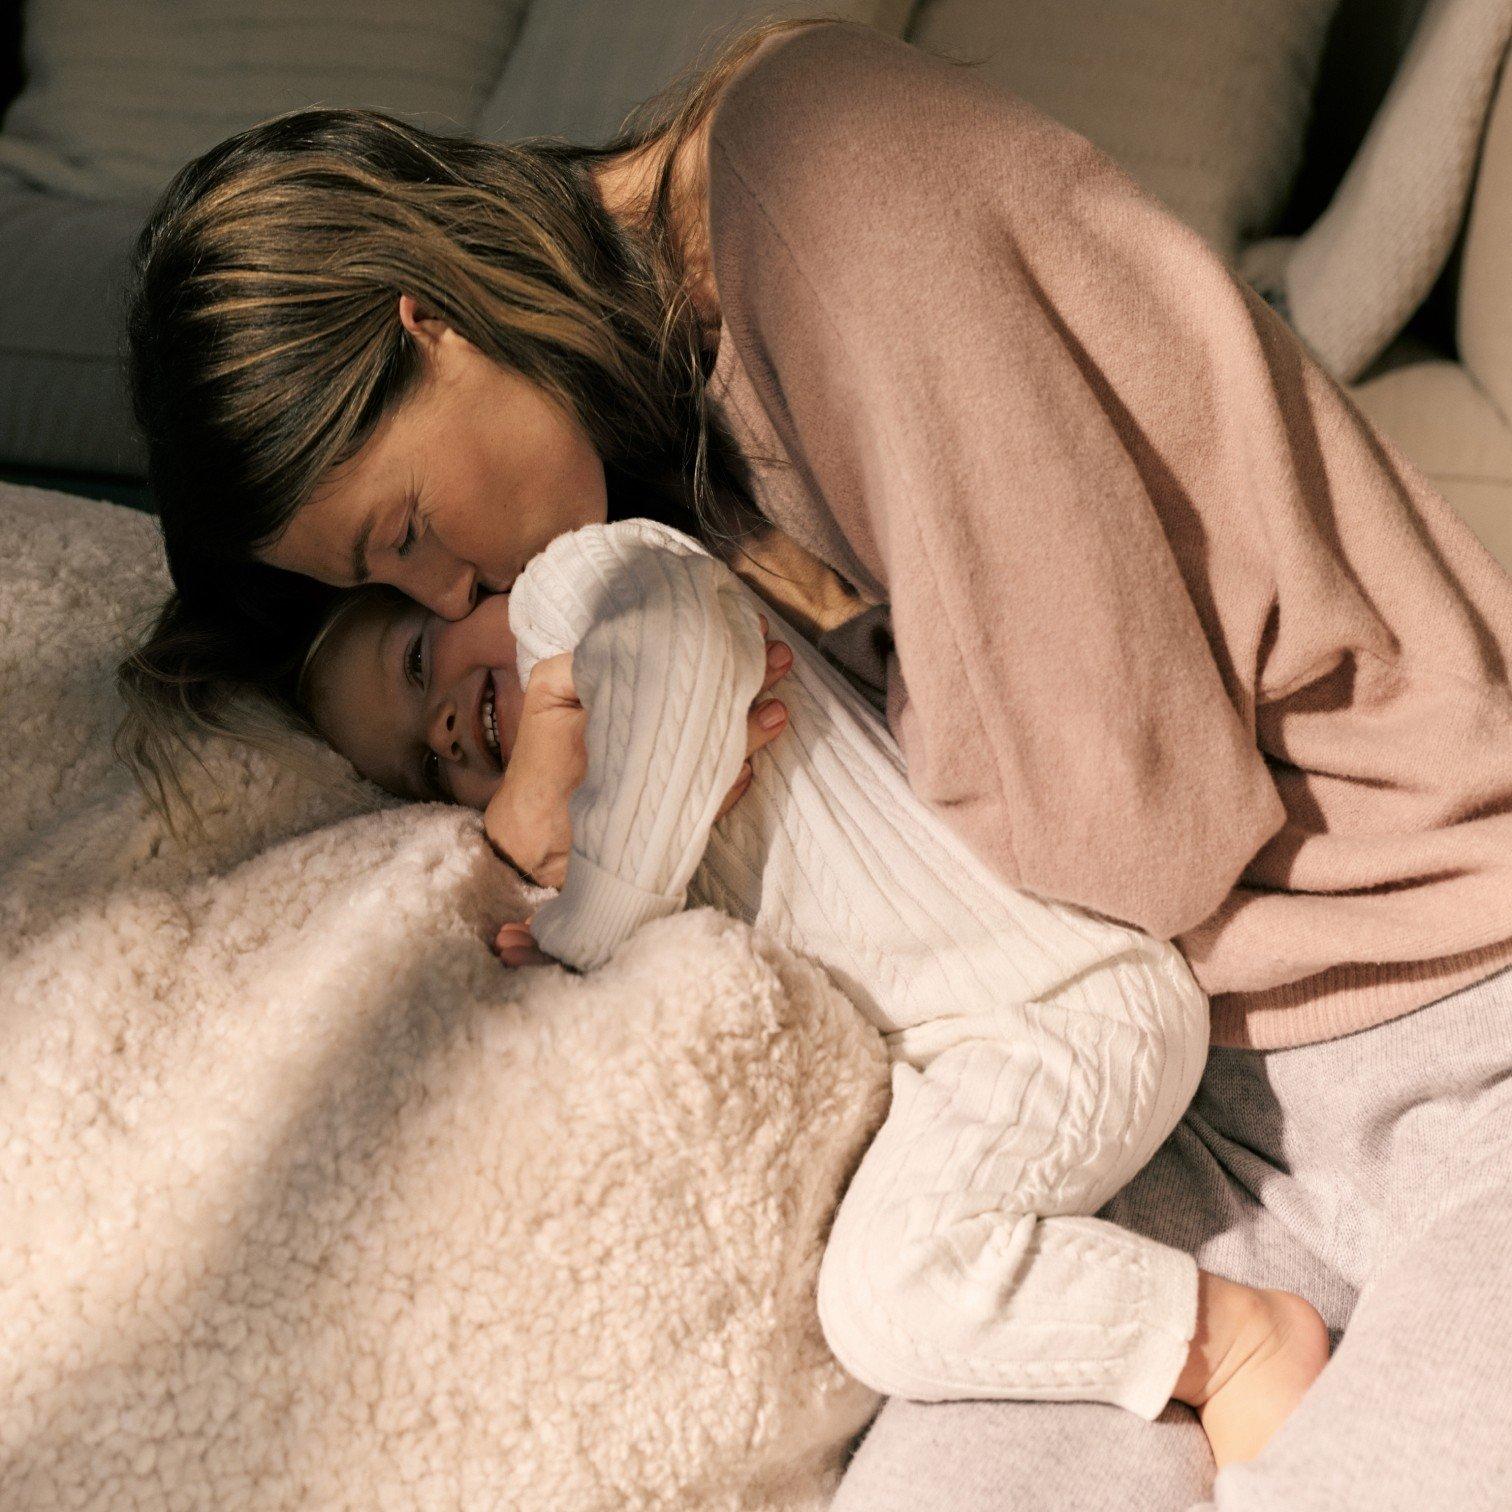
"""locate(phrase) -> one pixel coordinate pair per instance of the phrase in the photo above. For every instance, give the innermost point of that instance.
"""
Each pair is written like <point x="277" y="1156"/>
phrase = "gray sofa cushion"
<point x="120" y="93"/>
<point x="62" y="387"/>
<point x="1204" y="103"/>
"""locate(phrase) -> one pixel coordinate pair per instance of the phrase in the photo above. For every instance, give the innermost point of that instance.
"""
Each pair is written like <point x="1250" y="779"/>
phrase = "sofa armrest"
<point x="1483" y="317"/>
<point x="1435" y="411"/>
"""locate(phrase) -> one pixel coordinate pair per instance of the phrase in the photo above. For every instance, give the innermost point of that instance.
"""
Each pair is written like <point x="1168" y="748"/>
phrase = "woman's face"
<point x="469" y="478"/>
<point x="405" y="696"/>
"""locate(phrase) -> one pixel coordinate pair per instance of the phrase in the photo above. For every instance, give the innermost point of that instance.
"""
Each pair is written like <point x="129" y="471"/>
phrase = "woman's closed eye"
<point x="411" y="535"/>
<point x="414" y="524"/>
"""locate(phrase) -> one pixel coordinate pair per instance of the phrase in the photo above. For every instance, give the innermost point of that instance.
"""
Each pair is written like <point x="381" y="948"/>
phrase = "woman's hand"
<point x="526" y="820"/>
<point x="779" y="661"/>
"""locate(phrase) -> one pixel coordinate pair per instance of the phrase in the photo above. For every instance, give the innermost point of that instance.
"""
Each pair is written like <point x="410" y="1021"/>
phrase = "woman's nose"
<point x="465" y="593"/>
<point x="452" y="594"/>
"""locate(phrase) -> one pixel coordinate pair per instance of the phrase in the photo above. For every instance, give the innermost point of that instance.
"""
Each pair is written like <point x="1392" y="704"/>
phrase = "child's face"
<point x="403" y="695"/>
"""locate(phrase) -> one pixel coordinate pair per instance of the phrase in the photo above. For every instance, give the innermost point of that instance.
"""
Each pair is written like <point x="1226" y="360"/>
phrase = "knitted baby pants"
<point x="967" y="1258"/>
<point x="1372" y="1174"/>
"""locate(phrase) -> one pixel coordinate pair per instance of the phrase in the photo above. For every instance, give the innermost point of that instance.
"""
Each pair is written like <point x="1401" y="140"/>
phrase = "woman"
<point x="1174" y="634"/>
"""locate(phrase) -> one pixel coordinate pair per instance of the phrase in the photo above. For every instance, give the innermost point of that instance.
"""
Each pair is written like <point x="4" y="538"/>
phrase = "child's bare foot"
<point x="1256" y="1353"/>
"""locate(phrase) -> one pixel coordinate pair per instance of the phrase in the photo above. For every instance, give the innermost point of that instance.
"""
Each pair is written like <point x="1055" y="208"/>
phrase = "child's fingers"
<point x="551" y="679"/>
<point x="515" y="945"/>
<point x="761" y="727"/>
<point x="513" y="934"/>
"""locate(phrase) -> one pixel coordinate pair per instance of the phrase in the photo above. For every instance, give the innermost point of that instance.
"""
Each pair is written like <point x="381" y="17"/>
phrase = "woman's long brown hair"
<point x="265" y="349"/>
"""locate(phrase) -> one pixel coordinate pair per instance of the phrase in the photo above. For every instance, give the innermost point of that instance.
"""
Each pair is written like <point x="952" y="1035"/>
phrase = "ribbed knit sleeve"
<point x="667" y="655"/>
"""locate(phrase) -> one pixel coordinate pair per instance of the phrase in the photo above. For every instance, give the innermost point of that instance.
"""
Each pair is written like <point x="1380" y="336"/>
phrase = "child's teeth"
<point x="490" y="722"/>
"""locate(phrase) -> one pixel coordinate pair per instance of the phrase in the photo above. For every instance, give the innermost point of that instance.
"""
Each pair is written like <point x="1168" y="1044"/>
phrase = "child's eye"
<point x="412" y="662"/>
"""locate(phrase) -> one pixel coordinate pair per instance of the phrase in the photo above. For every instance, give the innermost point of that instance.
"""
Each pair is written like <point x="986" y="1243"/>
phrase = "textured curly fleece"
<point x="305" y="1202"/>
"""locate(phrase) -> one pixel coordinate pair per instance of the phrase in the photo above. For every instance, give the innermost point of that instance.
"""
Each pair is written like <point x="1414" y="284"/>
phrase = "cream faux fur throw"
<point x="307" y="1202"/>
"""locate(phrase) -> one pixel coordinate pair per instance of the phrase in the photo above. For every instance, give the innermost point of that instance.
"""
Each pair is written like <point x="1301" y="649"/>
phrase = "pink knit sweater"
<point x="1177" y="635"/>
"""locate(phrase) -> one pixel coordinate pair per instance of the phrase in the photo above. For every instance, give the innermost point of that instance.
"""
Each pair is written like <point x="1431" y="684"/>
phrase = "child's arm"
<point x="667" y="655"/>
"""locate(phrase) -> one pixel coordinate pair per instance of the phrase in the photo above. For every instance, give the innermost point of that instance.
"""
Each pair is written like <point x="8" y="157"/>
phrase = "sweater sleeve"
<point x="973" y="336"/>
<point x="667" y="654"/>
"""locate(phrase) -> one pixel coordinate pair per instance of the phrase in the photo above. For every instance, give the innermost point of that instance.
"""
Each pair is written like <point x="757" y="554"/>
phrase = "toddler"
<point x="1041" y="1053"/>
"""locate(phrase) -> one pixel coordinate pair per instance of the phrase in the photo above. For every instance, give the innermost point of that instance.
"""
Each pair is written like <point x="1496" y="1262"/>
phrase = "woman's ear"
<point x="439" y="344"/>
<point x="424" y="327"/>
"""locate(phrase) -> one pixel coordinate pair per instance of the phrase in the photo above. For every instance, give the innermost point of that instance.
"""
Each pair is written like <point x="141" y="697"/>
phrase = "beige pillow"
<point x="1204" y="102"/>
<point x="121" y="93"/>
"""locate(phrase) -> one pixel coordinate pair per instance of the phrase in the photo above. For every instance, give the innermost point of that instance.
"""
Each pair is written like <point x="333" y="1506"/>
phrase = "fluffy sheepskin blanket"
<point x="307" y="1202"/>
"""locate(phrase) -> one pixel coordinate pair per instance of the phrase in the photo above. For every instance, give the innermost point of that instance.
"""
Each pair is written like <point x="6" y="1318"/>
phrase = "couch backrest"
<point x="1365" y="44"/>
<point x="1483" y="315"/>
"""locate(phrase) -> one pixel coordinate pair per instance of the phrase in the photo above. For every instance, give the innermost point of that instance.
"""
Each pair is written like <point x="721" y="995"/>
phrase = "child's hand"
<point x="526" y="820"/>
<point x="516" y="946"/>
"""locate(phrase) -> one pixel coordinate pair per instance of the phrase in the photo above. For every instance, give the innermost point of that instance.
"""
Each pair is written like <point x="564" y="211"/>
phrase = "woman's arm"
<point x="1002" y="400"/>
<point x="668" y="655"/>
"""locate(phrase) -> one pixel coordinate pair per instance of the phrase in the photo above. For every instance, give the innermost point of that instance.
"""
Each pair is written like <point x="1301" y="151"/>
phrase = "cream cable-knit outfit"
<point x="1041" y="1054"/>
